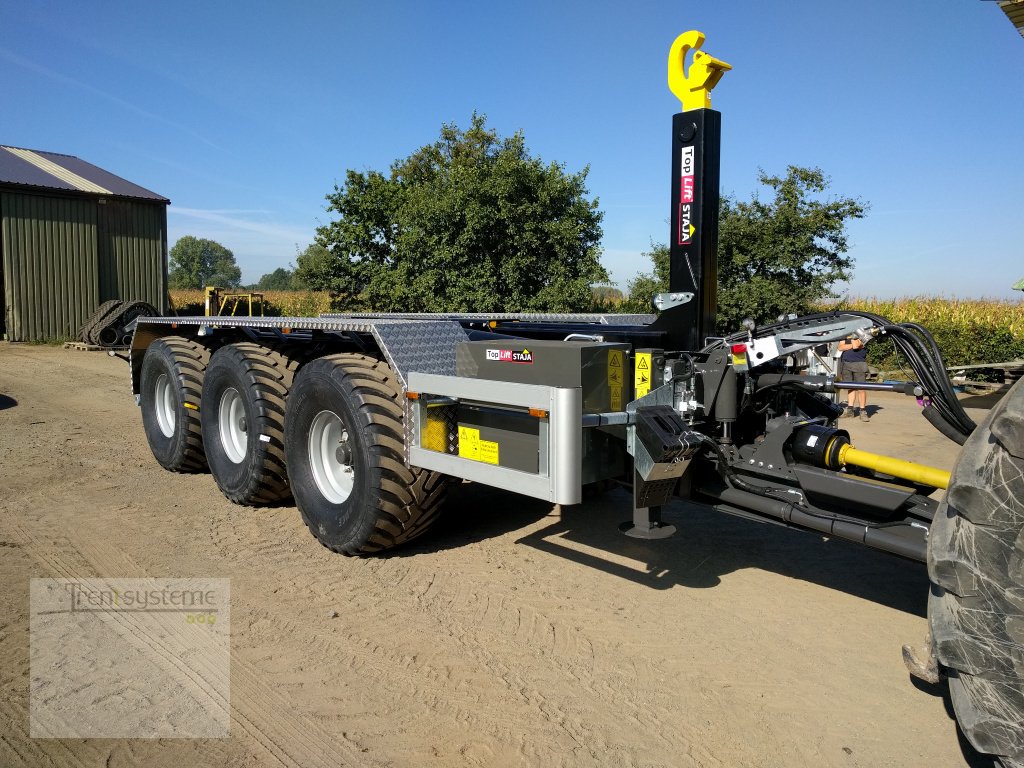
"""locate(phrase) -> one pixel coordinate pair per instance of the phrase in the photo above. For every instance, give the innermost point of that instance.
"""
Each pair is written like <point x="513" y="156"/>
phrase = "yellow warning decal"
<point x="472" y="447"/>
<point x="615" y="367"/>
<point x="642" y="374"/>
<point x="488" y="453"/>
<point x="616" y="378"/>
<point x="616" y="398"/>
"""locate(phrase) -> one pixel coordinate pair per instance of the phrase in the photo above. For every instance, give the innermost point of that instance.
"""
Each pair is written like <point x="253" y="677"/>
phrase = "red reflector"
<point x="739" y="349"/>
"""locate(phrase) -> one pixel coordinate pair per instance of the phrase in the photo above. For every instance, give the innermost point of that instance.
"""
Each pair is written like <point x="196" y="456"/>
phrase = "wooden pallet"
<point x="80" y="346"/>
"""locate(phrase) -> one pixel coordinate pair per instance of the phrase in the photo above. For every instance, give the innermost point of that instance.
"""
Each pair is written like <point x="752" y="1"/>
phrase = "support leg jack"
<point x="646" y="522"/>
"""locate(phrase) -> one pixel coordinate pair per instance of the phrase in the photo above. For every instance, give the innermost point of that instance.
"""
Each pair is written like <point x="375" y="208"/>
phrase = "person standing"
<point x="853" y="366"/>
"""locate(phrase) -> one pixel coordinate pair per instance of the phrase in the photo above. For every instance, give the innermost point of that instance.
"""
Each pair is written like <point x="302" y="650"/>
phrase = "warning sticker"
<point x="615" y="398"/>
<point x="472" y="447"/>
<point x="488" y="452"/>
<point x="615" y="365"/>
<point x="642" y="374"/>
<point x="616" y="378"/>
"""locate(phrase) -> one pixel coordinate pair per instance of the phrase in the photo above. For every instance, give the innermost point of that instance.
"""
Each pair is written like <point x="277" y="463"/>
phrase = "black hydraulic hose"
<point x="925" y="358"/>
<point x="947" y="403"/>
<point x="936" y="420"/>
<point x="922" y="352"/>
<point x="730" y="474"/>
<point x="941" y="373"/>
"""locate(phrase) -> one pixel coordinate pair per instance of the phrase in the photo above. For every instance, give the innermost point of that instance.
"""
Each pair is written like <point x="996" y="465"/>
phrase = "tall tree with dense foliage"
<point x="774" y="256"/>
<point x="316" y="269"/>
<point x="641" y="289"/>
<point x="472" y="222"/>
<point x="196" y="263"/>
<point x="281" y="279"/>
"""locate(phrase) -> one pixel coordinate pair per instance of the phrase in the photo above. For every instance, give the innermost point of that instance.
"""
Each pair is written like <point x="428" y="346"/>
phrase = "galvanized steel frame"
<point x="561" y="436"/>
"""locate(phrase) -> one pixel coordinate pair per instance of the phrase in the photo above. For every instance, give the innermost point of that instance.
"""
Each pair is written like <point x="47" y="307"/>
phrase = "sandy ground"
<point x="515" y="634"/>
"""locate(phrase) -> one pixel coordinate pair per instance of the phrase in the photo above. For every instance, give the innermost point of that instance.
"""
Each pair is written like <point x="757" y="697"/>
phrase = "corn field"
<point x="926" y="310"/>
<point x="968" y="331"/>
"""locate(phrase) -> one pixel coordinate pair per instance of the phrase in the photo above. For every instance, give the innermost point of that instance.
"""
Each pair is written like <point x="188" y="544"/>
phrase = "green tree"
<point x="641" y="289"/>
<point x="196" y="263"/>
<point x="316" y="269"/>
<point x="774" y="257"/>
<point x="605" y="298"/>
<point x="471" y="222"/>
<point x="278" y="280"/>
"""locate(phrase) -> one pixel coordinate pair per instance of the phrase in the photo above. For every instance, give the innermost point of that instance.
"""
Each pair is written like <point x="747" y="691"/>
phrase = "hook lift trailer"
<point x="364" y="419"/>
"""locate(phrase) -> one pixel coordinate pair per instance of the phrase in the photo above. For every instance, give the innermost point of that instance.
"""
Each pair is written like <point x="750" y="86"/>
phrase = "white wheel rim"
<point x="330" y="457"/>
<point x="234" y="431"/>
<point x="163" y="404"/>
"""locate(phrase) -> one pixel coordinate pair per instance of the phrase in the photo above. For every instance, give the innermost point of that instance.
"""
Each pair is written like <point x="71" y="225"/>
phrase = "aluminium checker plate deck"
<point x="407" y="345"/>
<point x="524" y="317"/>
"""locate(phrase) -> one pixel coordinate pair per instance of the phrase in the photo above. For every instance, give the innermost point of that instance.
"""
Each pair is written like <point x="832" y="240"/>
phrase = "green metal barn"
<point x="72" y="236"/>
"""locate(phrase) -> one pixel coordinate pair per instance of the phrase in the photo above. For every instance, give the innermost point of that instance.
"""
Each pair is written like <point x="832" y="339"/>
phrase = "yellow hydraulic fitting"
<point x="693" y="88"/>
<point x="907" y="470"/>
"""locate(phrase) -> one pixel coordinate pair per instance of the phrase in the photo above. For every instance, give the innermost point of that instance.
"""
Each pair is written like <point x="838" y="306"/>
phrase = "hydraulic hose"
<point x="935" y="419"/>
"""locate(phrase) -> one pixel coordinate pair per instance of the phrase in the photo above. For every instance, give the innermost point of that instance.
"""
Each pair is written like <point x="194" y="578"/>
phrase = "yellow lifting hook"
<point x="693" y="88"/>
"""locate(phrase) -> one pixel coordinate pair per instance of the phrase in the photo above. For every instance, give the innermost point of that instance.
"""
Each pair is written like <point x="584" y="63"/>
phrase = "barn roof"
<point x="48" y="170"/>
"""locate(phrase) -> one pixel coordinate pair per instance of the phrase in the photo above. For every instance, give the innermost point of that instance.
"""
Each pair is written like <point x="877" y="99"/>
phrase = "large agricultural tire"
<point x="344" y="445"/>
<point x="244" y="394"/>
<point x="976" y="565"/>
<point x="171" y="388"/>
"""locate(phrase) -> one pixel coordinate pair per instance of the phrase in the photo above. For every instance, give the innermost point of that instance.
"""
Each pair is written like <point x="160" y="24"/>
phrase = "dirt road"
<point x="514" y="635"/>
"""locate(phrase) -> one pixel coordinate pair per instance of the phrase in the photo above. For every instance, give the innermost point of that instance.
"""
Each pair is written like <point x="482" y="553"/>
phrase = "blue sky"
<point x="246" y="114"/>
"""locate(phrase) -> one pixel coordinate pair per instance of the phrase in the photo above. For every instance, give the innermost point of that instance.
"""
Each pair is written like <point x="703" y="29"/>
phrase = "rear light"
<point x="739" y="349"/>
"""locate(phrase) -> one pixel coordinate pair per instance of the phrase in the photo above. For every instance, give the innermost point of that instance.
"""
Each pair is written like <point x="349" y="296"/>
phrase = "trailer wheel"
<point x="244" y="396"/>
<point x="171" y="387"/>
<point x="344" y="445"/>
<point x="976" y="565"/>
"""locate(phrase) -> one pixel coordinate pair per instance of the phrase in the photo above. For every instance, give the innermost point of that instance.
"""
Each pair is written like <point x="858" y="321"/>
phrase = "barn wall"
<point x="63" y="256"/>
<point x="51" y="276"/>
<point x="131" y="244"/>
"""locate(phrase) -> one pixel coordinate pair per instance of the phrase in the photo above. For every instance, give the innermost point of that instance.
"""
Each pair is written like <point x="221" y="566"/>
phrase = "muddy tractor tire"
<point x="976" y="565"/>
<point x="344" y="445"/>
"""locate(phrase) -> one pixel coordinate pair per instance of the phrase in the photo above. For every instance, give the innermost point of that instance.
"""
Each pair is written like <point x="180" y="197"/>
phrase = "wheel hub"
<point x="163" y="405"/>
<point x="330" y="457"/>
<point x="232" y="425"/>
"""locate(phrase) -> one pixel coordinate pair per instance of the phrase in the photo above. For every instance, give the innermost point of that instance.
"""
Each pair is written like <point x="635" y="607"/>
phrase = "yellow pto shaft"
<point x="907" y="470"/>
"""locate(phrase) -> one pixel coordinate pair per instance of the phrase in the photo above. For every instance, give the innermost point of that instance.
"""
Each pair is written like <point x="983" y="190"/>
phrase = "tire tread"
<point x="409" y="499"/>
<point x="976" y="609"/>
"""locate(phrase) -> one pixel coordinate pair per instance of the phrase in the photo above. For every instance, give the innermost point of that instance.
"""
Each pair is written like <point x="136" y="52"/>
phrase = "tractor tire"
<point x="170" y="393"/>
<point x="976" y="565"/>
<point x="345" y="451"/>
<point x="244" y="394"/>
